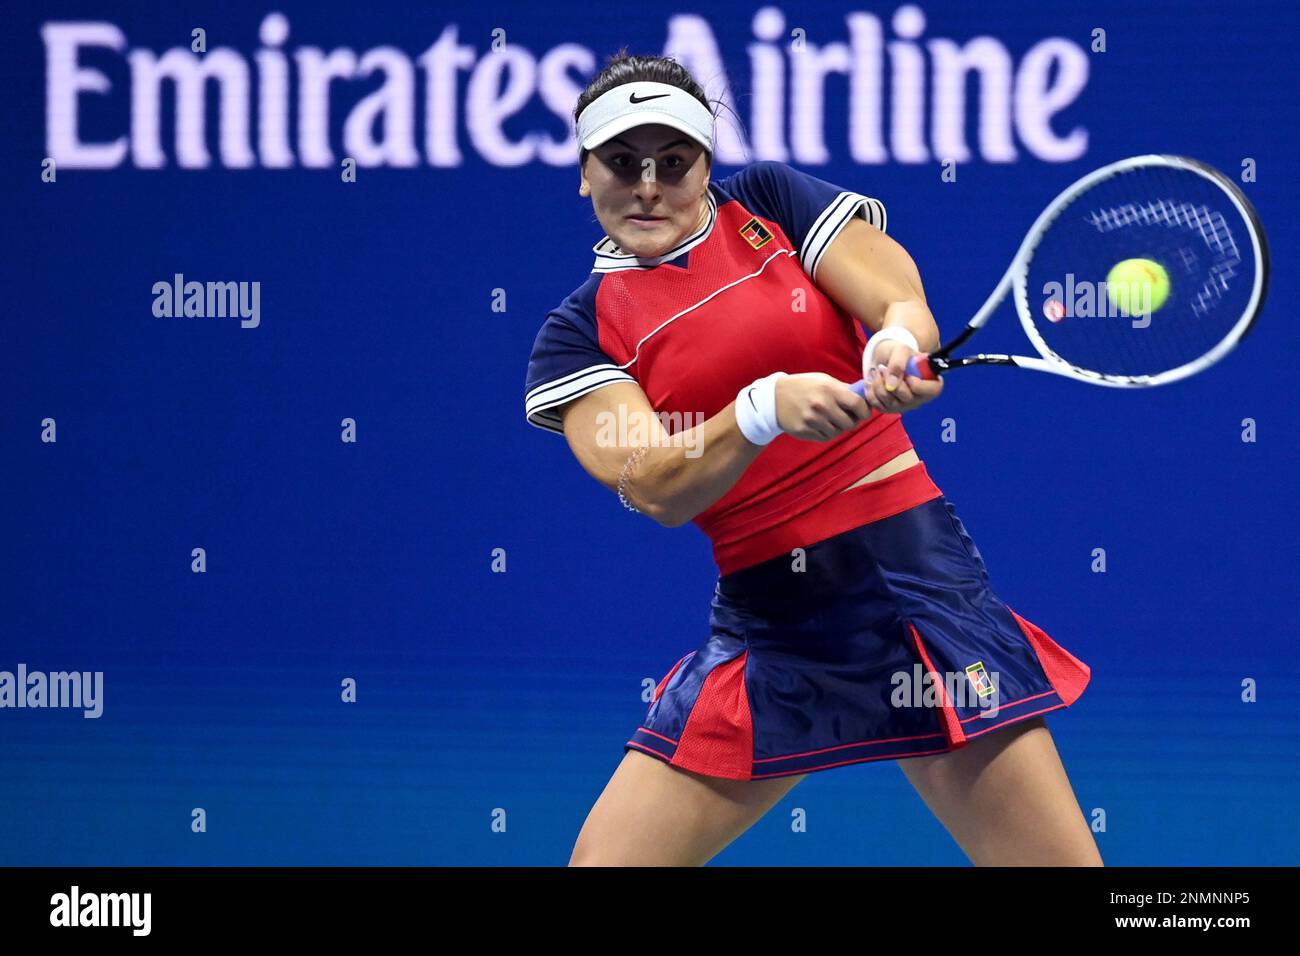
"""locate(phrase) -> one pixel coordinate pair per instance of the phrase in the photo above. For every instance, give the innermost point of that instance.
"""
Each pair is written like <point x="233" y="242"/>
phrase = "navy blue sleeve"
<point x="810" y="210"/>
<point x="567" y="361"/>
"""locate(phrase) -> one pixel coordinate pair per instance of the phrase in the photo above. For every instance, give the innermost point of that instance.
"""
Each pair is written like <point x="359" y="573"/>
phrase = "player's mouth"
<point x="646" y="222"/>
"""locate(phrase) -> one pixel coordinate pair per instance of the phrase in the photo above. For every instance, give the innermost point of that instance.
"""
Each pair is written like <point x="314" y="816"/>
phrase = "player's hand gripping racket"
<point x="1187" y="264"/>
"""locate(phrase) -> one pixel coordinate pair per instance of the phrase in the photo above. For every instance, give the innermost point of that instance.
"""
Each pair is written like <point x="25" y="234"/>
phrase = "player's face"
<point x="647" y="186"/>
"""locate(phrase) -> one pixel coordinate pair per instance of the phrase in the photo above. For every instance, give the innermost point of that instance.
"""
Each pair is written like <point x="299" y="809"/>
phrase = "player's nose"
<point x="647" y="184"/>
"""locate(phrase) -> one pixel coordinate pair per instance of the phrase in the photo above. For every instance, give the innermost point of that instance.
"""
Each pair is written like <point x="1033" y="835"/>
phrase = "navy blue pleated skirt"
<point x="883" y="642"/>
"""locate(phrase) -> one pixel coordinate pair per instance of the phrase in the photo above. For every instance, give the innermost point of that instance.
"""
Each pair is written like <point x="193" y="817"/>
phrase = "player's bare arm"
<point x="675" y="477"/>
<point x="873" y="278"/>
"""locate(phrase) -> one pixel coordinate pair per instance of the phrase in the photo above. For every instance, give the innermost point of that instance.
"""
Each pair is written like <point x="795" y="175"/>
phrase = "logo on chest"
<point x="755" y="233"/>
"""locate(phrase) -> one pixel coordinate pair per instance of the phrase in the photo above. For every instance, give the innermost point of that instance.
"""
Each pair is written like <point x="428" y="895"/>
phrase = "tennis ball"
<point x="1133" y="283"/>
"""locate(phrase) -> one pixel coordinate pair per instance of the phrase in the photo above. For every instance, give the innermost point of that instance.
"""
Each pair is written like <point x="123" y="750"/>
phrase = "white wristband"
<point x="756" y="410"/>
<point x="896" y="333"/>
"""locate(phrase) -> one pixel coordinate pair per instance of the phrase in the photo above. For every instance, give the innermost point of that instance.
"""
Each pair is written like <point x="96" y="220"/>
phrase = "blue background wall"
<point x="481" y="690"/>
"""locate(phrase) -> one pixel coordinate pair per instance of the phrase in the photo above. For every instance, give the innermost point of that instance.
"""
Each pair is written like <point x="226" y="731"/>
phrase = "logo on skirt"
<point x="979" y="679"/>
<point x="974" y="687"/>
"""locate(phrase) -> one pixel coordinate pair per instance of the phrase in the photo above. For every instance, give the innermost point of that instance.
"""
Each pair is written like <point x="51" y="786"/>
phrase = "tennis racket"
<point x="1182" y="229"/>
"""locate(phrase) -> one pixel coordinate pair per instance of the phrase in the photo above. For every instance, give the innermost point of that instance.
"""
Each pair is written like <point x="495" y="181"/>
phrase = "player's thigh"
<point x="1006" y="799"/>
<point x="653" y="814"/>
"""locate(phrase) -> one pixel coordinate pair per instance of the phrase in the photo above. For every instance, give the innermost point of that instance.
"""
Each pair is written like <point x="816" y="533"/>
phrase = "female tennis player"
<point x="853" y="618"/>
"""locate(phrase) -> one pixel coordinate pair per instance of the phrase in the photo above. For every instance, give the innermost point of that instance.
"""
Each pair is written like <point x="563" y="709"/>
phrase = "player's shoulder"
<point x="758" y="174"/>
<point x="568" y="359"/>
<point x="579" y="306"/>
<point x="770" y="169"/>
<point x="776" y="190"/>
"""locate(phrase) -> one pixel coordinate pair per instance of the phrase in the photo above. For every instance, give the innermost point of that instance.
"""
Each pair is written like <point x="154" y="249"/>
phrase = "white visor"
<point x="635" y="104"/>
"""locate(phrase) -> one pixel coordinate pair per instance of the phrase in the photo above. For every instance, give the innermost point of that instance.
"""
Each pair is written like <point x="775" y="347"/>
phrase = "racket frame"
<point x="1015" y="280"/>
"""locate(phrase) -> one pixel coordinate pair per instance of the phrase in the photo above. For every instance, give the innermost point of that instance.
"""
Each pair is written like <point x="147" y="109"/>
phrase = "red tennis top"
<point x="733" y="302"/>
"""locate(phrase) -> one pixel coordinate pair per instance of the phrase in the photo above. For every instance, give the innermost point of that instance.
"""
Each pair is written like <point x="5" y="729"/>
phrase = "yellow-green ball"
<point x="1131" y="284"/>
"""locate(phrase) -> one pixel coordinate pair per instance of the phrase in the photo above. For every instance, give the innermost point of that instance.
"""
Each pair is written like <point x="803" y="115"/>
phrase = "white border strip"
<point x="832" y="220"/>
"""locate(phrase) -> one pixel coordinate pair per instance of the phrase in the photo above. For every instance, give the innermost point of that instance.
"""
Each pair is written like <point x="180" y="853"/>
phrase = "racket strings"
<point x="1184" y="239"/>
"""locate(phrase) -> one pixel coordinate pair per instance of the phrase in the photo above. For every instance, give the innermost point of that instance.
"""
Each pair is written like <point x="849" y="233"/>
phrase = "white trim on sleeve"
<point x="834" y="218"/>
<point x="540" y="400"/>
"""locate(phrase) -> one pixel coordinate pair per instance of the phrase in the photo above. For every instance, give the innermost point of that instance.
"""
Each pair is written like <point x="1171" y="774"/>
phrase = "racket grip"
<point x="918" y="365"/>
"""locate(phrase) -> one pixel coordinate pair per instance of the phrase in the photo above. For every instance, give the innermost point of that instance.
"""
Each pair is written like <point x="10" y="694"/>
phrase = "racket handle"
<point x="918" y="365"/>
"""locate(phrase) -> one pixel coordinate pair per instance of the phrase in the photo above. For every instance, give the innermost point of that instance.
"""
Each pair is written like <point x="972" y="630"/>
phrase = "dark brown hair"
<point x="624" y="68"/>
